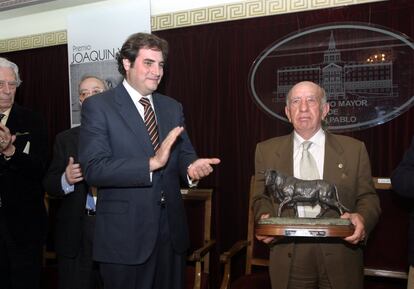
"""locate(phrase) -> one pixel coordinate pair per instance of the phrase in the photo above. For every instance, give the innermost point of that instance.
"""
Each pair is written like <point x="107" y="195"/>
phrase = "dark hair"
<point x="134" y="43"/>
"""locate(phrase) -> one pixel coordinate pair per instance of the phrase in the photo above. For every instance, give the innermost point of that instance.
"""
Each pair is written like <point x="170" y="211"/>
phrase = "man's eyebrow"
<point x="152" y="60"/>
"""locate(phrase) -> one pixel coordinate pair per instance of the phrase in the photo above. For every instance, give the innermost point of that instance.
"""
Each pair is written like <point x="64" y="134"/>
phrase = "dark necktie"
<point x="150" y="122"/>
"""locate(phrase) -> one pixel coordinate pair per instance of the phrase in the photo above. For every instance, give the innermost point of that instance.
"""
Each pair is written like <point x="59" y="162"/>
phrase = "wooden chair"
<point x="48" y="254"/>
<point x="257" y="254"/>
<point x="257" y="258"/>
<point x="198" y="205"/>
<point x="385" y="255"/>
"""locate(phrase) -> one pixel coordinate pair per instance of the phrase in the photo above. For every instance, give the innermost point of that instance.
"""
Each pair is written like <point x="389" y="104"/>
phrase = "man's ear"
<point x="325" y="110"/>
<point x="126" y="63"/>
<point x="287" y="112"/>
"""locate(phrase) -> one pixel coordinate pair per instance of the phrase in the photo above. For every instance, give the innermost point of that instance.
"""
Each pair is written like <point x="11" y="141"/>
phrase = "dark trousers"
<point x="81" y="272"/>
<point x="20" y="261"/>
<point x="163" y="270"/>
<point x="308" y="269"/>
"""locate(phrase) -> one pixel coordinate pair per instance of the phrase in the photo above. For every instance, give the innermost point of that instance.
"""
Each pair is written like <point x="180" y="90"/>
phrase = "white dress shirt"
<point x="317" y="149"/>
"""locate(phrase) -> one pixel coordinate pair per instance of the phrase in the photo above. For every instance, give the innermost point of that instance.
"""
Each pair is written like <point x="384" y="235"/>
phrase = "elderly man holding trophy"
<point x="312" y="175"/>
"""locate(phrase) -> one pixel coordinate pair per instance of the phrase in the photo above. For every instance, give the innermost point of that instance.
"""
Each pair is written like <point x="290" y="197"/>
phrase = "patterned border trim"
<point x="243" y="10"/>
<point x="33" y="41"/>
<point x="213" y="14"/>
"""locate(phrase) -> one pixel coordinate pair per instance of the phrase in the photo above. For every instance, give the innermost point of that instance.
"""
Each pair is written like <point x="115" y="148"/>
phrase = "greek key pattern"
<point x="213" y="14"/>
<point x="33" y="41"/>
<point x="242" y="10"/>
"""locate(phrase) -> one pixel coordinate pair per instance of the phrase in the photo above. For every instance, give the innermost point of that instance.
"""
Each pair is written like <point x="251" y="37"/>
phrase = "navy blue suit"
<point x="72" y="209"/>
<point x="114" y="153"/>
<point x="74" y="229"/>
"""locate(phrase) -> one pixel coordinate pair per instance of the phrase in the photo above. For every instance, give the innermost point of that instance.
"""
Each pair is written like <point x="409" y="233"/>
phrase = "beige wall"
<point x="40" y="29"/>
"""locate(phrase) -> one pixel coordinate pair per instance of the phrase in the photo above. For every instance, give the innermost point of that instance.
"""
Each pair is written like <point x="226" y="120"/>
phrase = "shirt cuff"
<point x="66" y="187"/>
<point x="191" y="183"/>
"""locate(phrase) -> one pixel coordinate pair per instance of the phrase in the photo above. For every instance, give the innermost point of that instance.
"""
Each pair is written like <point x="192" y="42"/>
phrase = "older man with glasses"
<point x="75" y="220"/>
<point x="23" y="154"/>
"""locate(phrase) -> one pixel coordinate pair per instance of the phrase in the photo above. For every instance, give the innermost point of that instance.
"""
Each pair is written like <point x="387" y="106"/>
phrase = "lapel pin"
<point x="340" y="166"/>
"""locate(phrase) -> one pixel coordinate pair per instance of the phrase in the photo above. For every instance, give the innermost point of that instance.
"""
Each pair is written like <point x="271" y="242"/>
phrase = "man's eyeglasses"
<point x="86" y="93"/>
<point x="10" y="84"/>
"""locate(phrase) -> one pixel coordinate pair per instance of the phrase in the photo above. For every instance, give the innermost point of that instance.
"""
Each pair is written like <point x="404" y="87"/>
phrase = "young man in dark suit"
<point x="314" y="263"/>
<point x="75" y="217"/>
<point x="134" y="149"/>
<point x="23" y="149"/>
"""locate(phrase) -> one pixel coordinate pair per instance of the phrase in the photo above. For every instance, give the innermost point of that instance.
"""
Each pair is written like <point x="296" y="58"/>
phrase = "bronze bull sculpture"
<point x="290" y="190"/>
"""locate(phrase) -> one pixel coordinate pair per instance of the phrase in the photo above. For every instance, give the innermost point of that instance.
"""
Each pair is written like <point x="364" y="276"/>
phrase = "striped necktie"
<point x="150" y="122"/>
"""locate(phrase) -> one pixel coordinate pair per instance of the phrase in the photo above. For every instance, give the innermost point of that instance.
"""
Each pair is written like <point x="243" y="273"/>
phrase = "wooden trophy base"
<point x="305" y="227"/>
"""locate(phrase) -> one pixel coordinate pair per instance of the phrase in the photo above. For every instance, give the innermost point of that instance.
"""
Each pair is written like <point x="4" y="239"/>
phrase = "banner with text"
<point x="95" y="35"/>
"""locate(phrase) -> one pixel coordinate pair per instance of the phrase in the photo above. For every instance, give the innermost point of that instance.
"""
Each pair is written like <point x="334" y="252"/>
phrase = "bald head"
<point x="306" y="107"/>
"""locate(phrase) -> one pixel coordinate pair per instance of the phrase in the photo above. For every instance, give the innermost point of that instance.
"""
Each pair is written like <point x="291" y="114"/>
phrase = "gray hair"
<point x="87" y="76"/>
<point x="5" y="63"/>
<point x="322" y="90"/>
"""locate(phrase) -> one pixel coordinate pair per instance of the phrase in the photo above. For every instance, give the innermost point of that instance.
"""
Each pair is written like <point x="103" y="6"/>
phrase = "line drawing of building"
<point x="342" y="80"/>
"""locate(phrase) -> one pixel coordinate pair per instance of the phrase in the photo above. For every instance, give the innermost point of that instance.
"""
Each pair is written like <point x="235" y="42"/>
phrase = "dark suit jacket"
<point x="402" y="181"/>
<point x="347" y="166"/>
<point x="114" y="153"/>
<point x="21" y="188"/>
<point x="71" y="210"/>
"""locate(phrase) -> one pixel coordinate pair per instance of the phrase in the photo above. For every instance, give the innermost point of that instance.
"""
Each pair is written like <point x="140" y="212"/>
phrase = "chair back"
<point x="198" y="206"/>
<point x="386" y="254"/>
<point x="257" y="253"/>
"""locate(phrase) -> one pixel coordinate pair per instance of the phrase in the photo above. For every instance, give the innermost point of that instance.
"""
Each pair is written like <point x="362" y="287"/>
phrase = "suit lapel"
<point x="335" y="164"/>
<point x="73" y="140"/>
<point x="13" y="119"/>
<point x="162" y="117"/>
<point x="284" y="156"/>
<point x="16" y="122"/>
<point x="130" y="114"/>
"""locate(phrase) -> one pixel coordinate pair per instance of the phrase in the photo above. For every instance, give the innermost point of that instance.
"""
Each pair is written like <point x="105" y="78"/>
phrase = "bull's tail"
<point x="342" y="209"/>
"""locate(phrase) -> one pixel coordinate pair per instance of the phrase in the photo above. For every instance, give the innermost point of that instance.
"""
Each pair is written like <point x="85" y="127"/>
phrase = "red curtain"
<point x="207" y="71"/>
<point x="45" y="86"/>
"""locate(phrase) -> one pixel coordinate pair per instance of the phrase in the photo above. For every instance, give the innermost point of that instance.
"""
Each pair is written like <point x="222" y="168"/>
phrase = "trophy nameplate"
<point x="305" y="227"/>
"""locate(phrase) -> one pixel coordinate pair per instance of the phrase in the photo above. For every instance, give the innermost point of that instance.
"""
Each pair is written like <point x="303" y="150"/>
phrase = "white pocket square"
<point x="22" y="133"/>
<point x="27" y="148"/>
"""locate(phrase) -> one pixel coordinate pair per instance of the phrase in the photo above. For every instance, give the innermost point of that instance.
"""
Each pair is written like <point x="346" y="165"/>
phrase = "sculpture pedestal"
<point x="305" y="227"/>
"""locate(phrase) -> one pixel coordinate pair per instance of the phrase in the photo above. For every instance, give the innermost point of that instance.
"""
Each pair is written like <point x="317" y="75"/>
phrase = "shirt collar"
<point x="318" y="138"/>
<point x="135" y="95"/>
<point x="6" y="116"/>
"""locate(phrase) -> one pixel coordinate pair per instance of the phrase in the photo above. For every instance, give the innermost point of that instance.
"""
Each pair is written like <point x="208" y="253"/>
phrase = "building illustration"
<point x="342" y="80"/>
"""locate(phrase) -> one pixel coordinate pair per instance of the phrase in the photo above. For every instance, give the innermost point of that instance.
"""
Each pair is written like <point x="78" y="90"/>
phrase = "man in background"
<point x="23" y="149"/>
<point x="134" y="149"/>
<point x="75" y="217"/>
<point x="402" y="180"/>
<point x="312" y="263"/>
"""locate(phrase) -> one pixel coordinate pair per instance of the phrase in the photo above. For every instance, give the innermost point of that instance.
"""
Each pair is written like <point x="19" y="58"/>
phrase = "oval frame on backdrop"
<point x="366" y="71"/>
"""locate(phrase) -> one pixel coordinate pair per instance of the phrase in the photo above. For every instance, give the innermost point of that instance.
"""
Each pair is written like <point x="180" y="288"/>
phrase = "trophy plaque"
<point x="288" y="191"/>
<point x="305" y="227"/>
